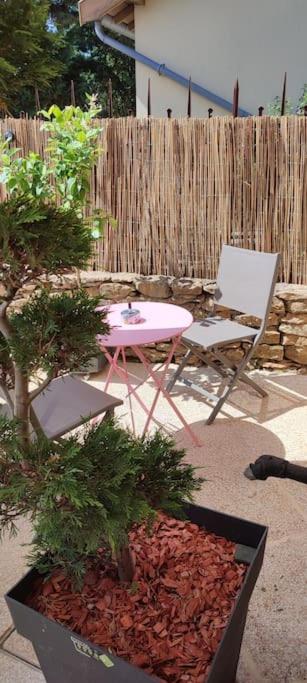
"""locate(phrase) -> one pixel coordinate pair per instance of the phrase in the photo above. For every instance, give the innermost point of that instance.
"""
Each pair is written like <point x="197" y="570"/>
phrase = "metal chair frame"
<point x="213" y="356"/>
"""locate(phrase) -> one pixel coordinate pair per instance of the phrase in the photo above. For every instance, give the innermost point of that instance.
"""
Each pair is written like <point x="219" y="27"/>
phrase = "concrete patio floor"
<point x="275" y="643"/>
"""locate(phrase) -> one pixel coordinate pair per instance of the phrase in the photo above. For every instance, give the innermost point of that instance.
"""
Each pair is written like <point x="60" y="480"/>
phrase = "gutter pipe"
<point x="108" y="22"/>
<point x="163" y="70"/>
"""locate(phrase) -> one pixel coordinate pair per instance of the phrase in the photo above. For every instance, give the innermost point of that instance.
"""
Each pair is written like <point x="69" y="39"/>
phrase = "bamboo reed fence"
<point x="179" y="189"/>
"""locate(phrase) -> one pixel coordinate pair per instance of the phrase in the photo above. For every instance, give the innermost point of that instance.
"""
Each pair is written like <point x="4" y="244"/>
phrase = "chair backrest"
<point x="246" y="281"/>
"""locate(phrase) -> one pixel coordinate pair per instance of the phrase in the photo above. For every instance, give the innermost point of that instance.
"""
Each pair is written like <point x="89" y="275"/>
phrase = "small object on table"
<point x="131" y="316"/>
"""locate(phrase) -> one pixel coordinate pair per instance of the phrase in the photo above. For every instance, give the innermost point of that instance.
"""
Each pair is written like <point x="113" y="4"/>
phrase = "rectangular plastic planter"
<point x="66" y="657"/>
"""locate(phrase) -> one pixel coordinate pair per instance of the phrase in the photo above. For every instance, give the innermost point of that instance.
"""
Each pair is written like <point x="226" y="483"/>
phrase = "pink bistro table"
<point x="159" y="322"/>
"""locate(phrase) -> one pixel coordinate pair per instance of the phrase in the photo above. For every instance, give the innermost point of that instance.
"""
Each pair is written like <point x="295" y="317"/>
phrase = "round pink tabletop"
<point x="160" y="322"/>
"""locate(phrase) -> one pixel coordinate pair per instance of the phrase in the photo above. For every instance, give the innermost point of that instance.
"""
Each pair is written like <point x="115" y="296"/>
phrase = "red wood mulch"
<point x="171" y="620"/>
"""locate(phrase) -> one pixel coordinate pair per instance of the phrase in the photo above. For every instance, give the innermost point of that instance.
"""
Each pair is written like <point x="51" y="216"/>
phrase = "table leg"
<point x="124" y="375"/>
<point x="112" y="362"/>
<point x="161" y="388"/>
<point x="129" y="392"/>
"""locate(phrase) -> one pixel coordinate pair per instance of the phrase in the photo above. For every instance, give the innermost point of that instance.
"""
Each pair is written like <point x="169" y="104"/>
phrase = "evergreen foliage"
<point x="86" y="495"/>
<point x="36" y="238"/>
<point x="43" y="46"/>
<point x="60" y="332"/>
<point x="29" y="53"/>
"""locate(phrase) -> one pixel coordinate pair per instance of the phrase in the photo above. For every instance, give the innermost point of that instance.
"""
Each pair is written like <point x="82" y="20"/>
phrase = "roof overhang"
<point x="121" y="11"/>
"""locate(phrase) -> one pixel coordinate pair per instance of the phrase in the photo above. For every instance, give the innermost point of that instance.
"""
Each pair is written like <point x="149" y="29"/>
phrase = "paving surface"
<point x="275" y="643"/>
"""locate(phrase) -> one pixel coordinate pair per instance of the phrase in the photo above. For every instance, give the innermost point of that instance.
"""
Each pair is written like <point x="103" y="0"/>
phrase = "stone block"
<point x="56" y="282"/>
<point x="295" y="318"/>
<point x="28" y="289"/>
<point x="234" y="354"/>
<point x="297" y="306"/>
<point x="209" y="287"/>
<point x="154" y="287"/>
<point x="277" y="365"/>
<point x="93" y="290"/>
<point x="88" y="277"/>
<point x="271" y="337"/>
<point x="291" y="292"/>
<point x="270" y="352"/>
<point x="114" y="291"/>
<point x="124" y="278"/>
<point x="17" y="305"/>
<point x="185" y="289"/>
<point x="295" y="324"/>
<point x="278" y="306"/>
<point x="252" y="321"/>
<point x="297" y="353"/>
<point x="293" y="340"/>
<point x="249" y="320"/>
<point x="291" y="329"/>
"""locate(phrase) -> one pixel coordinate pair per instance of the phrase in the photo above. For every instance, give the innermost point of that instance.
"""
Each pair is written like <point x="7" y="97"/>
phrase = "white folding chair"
<point x="245" y="283"/>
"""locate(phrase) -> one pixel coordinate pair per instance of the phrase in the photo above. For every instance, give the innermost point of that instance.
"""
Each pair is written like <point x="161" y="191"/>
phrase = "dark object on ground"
<point x="271" y="466"/>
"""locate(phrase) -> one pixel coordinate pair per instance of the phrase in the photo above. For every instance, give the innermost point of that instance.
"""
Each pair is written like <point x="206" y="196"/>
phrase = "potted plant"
<point x="126" y="593"/>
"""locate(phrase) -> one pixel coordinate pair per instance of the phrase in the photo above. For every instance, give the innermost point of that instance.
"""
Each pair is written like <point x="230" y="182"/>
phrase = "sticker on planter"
<point x="106" y="661"/>
<point x="86" y="650"/>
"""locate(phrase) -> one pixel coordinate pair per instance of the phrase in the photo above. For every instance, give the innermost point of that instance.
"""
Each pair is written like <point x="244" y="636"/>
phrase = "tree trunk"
<point x="22" y="405"/>
<point x="125" y="564"/>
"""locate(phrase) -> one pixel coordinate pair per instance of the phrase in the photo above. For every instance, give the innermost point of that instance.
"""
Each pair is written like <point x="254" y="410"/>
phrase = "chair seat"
<point x="216" y="331"/>
<point x="67" y="403"/>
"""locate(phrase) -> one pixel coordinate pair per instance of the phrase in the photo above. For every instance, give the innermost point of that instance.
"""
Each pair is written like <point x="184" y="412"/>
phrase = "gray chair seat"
<point x="215" y="331"/>
<point x="67" y="403"/>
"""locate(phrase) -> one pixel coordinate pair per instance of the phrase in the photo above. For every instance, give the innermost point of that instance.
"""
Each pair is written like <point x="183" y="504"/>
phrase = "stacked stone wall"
<point x="284" y="345"/>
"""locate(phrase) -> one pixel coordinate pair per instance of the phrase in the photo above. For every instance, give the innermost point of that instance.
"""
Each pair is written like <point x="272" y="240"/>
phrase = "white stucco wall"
<point x="216" y="41"/>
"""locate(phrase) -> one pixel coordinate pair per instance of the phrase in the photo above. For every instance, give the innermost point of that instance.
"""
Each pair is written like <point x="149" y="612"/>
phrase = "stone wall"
<point x="284" y="344"/>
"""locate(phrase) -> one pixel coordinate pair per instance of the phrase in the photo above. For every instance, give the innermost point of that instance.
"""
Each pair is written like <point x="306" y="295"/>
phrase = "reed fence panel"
<point x="179" y="189"/>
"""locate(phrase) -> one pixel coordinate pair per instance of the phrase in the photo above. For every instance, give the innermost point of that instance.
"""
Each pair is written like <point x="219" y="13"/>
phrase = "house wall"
<point x="216" y="41"/>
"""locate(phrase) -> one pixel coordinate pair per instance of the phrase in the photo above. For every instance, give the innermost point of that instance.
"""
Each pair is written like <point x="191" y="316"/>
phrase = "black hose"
<point x="271" y="466"/>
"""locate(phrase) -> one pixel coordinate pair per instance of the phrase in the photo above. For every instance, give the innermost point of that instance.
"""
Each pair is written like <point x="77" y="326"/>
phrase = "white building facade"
<point x="214" y="42"/>
<point x="217" y="41"/>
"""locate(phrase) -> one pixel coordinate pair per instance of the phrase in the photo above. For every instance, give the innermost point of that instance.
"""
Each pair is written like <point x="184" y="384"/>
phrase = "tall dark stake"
<point x="283" y="99"/>
<point x="110" y="99"/>
<point x="235" y="101"/>
<point x="72" y="94"/>
<point x="149" y="98"/>
<point x="37" y="100"/>
<point x="189" y="112"/>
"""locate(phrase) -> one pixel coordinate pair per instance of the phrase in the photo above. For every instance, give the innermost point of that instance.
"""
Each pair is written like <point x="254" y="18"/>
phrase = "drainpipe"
<point x="163" y="70"/>
<point x="108" y="22"/>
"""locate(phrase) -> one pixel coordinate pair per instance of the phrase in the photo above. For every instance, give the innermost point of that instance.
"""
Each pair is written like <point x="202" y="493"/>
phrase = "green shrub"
<point x="86" y="494"/>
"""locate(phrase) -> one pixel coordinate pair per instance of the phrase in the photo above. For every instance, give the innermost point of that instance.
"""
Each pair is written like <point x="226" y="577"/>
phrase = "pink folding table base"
<point x="159" y="322"/>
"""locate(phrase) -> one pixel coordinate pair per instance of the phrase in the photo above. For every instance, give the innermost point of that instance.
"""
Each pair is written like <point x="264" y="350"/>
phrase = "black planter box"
<point x="66" y="657"/>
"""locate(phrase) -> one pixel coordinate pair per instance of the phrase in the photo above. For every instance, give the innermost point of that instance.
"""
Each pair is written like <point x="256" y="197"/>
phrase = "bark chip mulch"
<point x="171" y="619"/>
